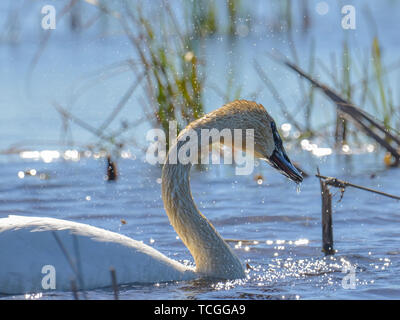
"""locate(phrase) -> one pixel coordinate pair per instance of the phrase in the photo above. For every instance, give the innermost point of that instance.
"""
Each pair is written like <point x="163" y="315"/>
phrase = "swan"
<point x="29" y="245"/>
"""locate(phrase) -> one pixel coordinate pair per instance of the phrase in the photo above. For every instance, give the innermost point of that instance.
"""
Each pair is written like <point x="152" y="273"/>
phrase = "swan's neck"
<point x="212" y="255"/>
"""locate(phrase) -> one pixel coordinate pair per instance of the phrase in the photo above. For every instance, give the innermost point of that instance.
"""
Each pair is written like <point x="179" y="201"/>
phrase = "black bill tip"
<point x="281" y="162"/>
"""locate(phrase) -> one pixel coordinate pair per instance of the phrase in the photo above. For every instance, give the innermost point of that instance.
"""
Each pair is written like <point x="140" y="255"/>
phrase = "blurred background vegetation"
<point x="170" y="68"/>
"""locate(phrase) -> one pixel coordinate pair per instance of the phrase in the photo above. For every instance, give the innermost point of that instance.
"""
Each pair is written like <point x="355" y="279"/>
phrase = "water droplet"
<point x="298" y="188"/>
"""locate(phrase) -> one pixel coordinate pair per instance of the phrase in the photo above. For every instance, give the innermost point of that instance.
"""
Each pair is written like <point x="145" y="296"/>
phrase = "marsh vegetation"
<point x="78" y="101"/>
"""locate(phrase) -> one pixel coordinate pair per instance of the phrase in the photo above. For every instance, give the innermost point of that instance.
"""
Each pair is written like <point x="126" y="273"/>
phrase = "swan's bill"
<point x="281" y="162"/>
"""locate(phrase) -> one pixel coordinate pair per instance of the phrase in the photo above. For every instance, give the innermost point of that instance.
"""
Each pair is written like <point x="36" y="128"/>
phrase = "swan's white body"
<point x="86" y="254"/>
<point x="27" y="244"/>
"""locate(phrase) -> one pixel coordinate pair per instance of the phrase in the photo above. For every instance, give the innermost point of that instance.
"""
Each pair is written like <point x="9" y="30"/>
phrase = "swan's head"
<point x="268" y="144"/>
<point x="270" y="148"/>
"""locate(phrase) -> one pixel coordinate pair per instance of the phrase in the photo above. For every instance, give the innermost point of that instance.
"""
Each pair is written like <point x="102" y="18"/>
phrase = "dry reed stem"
<point x="114" y="283"/>
<point x="359" y="117"/>
<point x="326" y="212"/>
<point x="337" y="183"/>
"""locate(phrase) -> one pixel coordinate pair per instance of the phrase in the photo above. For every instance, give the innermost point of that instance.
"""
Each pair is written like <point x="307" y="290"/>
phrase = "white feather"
<point x="28" y="243"/>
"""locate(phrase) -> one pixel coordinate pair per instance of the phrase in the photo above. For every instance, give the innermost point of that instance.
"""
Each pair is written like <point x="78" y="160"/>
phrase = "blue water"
<point x="271" y="226"/>
<point x="287" y="260"/>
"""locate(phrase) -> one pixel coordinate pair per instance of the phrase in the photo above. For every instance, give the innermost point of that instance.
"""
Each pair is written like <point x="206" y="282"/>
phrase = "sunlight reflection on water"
<point x="279" y="240"/>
